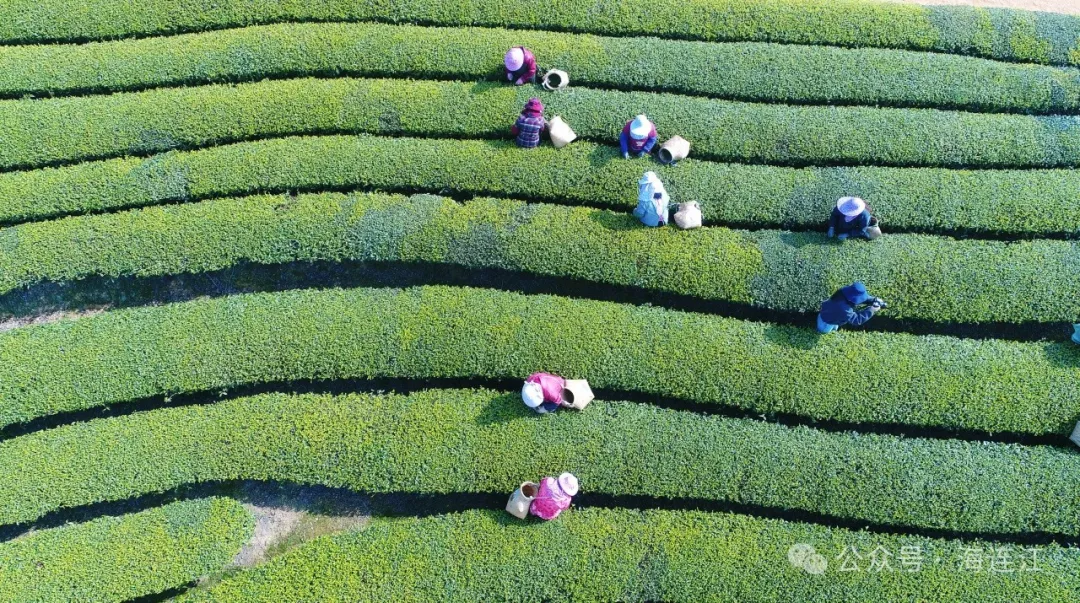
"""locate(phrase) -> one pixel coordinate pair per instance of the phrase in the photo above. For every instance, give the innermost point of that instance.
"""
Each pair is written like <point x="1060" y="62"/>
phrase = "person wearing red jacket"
<point x="638" y="136"/>
<point x="530" y="125"/>
<point x="520" y="65"/>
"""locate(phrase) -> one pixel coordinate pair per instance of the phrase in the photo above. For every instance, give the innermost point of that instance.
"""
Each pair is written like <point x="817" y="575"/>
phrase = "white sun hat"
<point x="532" y="394"/>
<point x="514" y="59"/>
<point x="640" y="127"/>
<point x="850" y="206"/>
<point x="568" y="484"/>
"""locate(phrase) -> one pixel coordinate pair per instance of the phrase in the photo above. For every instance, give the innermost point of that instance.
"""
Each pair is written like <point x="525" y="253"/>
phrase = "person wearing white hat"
<point x="520" y="65"/>
<point x="554" y="496"/>
<point x="652" y="208"/>
<point x="543" y="392"/>
<point x="850" y="218"/>
<point x="638" y="136"/>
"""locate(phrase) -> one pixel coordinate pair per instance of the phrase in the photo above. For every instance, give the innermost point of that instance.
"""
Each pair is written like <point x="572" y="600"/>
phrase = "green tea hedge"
<point x="625" y="555"/>
<point x="776" y="72"/>
<point x="923" y="277"/>
<point x="122" y="558"/>
<point x="1015" y="202"/>
<point x="1005" y="34"/>
<point x="445" y="441"/>
<point x="42" y="132"/>
<point x="437" y="332"/>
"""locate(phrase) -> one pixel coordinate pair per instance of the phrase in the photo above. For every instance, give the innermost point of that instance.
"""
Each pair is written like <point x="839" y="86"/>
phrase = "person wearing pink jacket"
<point x="543" y="392"/>
<point x="520" y="65"/>
<point x="554" y="496"/>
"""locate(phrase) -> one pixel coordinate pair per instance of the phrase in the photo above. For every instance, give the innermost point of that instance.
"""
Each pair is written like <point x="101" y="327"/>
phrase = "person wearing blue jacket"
<point x="850" y="218"/>
<point x="843" y="308"/>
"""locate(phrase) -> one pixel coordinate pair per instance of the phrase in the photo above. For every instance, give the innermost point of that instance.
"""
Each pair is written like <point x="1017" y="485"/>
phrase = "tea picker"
<point x="530" y="125"/>
<point x="843" y="308"/>
<point x="520" y="65"/>
<point x="652" y="208"/>
<point x="638" y="136"/>
<point x="544" y="393"/>
<point x="851" y="218"/>
<point x="545" y="500"/>
<point x="1076" y="334"/>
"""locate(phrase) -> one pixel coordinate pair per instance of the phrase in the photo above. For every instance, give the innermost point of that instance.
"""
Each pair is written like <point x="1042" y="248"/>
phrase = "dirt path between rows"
<point x="1071" y="7"/>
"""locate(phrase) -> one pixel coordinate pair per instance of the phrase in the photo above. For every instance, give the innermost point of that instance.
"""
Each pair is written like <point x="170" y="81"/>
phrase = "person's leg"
<point x="824" y="327"/>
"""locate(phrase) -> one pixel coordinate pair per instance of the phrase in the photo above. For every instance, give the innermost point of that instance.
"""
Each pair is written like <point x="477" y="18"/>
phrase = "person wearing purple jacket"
<point x="638" y="136"/>
<point x="530" y="124"/>
<point x="520" y="65"/>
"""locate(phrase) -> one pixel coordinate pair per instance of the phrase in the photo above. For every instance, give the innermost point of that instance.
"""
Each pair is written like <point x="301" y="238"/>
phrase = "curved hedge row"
<point x="42" y="132"/>
<point x="634" y="556"/>
<point x="1016" y="203"/>
<point x="216" y="344"/>
<point x="748" y="70"/>
<point x="445" y="441"/>
<point x="923" y="277"/>
<point x="1006" y="34"/>
<point x="123" y="558"/>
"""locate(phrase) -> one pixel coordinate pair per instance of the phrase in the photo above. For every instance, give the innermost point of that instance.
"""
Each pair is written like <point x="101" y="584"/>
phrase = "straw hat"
<point x="640" y="127"/>
<point x="532" y="394"/>
<point x="850" y="206"/>
<point x="568" y="484"/>
<point x="514" y="59"/>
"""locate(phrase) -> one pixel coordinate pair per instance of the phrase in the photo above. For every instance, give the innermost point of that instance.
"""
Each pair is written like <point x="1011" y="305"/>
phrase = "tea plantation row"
<point x="217" y="344"/>
<point x="1004" y="34"/>
<point x="126" y="557"/>
<point x="446" y="441"/>
<point x="924" y="277"/>
<point x="1016" y="203"/>
<point x="769" y="72"/>
<point x="624" y="555"/>
<point x="50" y="131"/>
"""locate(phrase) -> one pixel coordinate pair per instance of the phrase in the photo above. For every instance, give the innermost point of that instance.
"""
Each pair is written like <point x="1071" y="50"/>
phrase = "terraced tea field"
<point x="272" y="273"/>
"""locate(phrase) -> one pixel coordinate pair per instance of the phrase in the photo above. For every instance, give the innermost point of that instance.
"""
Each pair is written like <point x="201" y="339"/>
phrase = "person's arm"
<point x="651" y="142"/>
<point x="856" y="318"/>
<point x="514" y="129"/>
<point x="624" y="143"/>
<point x="834" y="221"/>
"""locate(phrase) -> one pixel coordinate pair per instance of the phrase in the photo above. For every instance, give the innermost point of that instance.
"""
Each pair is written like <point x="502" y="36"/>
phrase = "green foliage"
<point x="436" y="332"/>
<point x="923" y="277"/>
<point x="626" y="555"/>
<point x="445" y="441"/>
<point x="122" y="558"/>
<point x="777" y="72"/>
<point x="842" y="23"/>
<point x="78" y="128"/>
<point x="1018" y="202"/>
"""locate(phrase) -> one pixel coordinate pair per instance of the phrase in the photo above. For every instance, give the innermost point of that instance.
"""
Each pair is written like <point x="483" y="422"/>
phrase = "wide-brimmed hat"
<point x="856" y="293"/>
<point x="640" y="127"/>
<point x="532" y="394"/>
<point x="534" y="105"/>
<point x="514" y="59"/>
<point x="568" y="484"/>
<point x="851" y="206"/>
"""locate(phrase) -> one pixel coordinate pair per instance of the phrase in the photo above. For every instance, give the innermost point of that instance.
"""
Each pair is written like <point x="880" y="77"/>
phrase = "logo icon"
<point x="804" y="556"/>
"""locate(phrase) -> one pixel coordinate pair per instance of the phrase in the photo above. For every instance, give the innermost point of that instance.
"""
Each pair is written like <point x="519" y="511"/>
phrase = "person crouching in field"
<point x="530" y="125"/>
<point x="520" y="65"/>
<point x="850" y="218"/>
<point x="843" y="308"/>
<point x="638" y="137"/>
